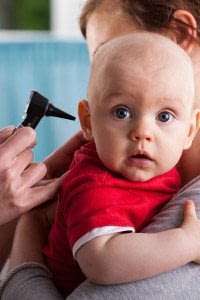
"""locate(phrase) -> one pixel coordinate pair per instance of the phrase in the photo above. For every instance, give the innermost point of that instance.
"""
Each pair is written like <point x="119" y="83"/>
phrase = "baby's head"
<point x="140" y="109"/>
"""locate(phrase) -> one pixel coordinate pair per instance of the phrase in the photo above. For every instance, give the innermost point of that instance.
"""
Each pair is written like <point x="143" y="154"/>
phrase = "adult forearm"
<point x="30" y="238"/>
<point x="6" y="237"/>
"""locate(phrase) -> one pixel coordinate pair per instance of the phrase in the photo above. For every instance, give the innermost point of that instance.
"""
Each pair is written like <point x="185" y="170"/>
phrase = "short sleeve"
<point x="95" y="206"/>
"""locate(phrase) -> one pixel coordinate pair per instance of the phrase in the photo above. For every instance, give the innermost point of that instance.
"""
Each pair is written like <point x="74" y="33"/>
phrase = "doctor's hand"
<point x="18" y="176"/>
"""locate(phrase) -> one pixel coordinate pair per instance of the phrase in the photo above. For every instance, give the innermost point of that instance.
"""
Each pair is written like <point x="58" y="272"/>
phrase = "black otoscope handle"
<point x="38" y="107"/>
<point x="31" y="121"/>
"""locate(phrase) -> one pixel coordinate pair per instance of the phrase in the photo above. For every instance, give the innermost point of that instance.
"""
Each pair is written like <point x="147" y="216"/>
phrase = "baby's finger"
<point x="189" y="210"/>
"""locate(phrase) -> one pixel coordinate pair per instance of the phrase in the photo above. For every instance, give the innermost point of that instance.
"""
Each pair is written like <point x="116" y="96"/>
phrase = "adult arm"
<point x="29" y="278"/>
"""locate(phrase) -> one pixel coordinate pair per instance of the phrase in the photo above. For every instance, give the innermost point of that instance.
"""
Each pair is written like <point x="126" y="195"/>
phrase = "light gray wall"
<point x="64" y="18"/>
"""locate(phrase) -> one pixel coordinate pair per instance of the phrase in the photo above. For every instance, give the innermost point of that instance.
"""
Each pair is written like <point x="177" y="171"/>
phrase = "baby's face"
<point x="140" y="117"/>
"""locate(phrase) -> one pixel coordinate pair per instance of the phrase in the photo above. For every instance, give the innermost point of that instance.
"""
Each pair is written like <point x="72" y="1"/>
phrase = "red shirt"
<point x="94" y="202"/>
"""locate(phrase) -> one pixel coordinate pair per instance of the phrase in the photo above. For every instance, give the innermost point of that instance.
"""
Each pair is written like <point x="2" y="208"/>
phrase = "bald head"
<point x="153" y="51"/>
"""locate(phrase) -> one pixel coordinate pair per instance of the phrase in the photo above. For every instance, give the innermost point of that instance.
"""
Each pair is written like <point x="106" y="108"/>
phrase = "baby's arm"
<point x="125" y="257"/>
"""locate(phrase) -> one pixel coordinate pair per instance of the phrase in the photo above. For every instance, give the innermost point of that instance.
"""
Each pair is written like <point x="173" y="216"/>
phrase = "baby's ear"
<point x="84" y="118"/>
<point x="184" y="29"/>
<point x="194" y="127"/>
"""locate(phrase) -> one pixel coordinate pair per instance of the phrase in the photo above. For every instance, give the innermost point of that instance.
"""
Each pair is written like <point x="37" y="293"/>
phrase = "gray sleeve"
<point x="29" y="281"/>
<point x="182" y="283"/>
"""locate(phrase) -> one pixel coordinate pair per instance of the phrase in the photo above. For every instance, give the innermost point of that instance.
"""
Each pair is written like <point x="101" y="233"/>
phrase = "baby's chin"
<point x="135" y="174"/>
<point x="138" y="176"/>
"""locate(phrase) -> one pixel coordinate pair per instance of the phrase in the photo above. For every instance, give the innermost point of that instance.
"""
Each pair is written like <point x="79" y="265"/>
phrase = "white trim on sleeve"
<point x="98" y="232"/>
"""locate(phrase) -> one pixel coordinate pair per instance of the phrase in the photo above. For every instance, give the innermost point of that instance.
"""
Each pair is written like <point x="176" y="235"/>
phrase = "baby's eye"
<point x="121" y="112"/>
<point x="165" y="116"/>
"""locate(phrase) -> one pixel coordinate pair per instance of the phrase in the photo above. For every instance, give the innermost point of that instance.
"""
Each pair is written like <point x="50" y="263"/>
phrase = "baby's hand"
<point x="191" y="227"/>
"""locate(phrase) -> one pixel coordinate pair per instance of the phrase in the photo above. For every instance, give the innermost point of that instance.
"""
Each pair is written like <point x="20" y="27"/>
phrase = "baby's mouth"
<point x="140" y="160"/>
<point x="141" y="156"/>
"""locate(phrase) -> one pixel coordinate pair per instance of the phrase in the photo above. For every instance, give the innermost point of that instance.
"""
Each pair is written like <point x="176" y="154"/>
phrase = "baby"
<point x="138" y="119"/>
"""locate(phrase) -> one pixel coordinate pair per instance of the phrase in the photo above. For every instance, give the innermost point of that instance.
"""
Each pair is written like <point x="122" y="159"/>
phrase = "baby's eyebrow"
<point x="97" y="48"/>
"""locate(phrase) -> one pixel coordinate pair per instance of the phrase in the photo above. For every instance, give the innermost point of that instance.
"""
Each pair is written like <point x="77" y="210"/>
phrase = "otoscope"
<point x="37" y="107"/>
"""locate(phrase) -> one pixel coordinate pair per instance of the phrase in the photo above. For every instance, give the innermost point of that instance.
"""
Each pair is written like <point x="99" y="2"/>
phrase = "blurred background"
<point x="41" y="49"/>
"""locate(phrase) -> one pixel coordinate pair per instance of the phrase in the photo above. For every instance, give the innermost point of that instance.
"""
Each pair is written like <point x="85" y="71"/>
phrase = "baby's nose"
<point x="142" y="131"/>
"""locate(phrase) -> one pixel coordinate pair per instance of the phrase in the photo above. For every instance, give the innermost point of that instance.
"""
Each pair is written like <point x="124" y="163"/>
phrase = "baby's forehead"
<point x="153" y="51"/>
<point x="142" y="46"/>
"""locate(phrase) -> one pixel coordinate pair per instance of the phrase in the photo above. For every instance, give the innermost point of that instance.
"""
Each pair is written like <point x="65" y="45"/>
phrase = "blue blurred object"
<point x="56" y="69"/>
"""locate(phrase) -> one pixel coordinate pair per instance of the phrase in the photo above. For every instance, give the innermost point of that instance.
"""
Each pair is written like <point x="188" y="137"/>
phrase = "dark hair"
<point x="152" y="15"/>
